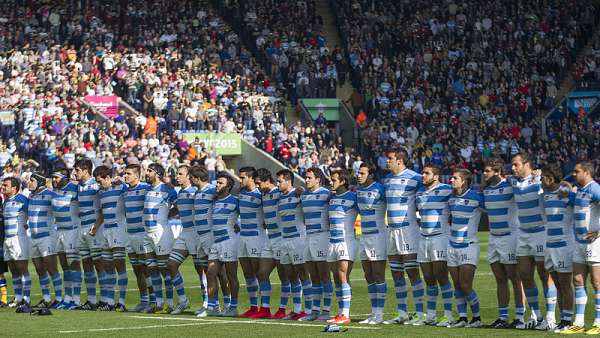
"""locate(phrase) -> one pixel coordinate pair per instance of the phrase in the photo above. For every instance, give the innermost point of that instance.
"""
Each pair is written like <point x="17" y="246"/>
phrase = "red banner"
<point x="108" y="105"/>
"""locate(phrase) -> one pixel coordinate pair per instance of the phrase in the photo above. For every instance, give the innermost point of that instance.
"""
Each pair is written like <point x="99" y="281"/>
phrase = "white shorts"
<point x="463" y="256"/>
<point x="16" y="248"/>
<point x="373" y="248"/>
<point x="225" y="251"/>
<point x="66" y="241"/>
<point x="87" y="242"/>
<point x="403" y="241"/>
<point x="42" y="247"/>
<point x="502" y="249"/>
<point x="187" y="241"/>
<point x="559" y="259"/>
<point x="272" y="249"/>
<point x="114" y="238"/>
<point x="588" y="254"/>
<point x="343" y="251"/>
<point x="205" y="243"/>
<point x="433" y="249"/>
<point x="136" y="244"/>
<point x="250" y="246"/>
<point x="159" y="241"/>
<point x="531" y="245"/>
<point x="293" y="251"/>
<point x="317" y="246"/>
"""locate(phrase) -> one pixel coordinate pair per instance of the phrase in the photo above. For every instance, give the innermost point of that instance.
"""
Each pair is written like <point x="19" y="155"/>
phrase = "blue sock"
<point x="68" y="284"/>
<point x="57" y="284"/>
<point x="122" y="282"/>
<point x="102" y="282"/>
<point x="296" y="288"/>
<point x="580" y="302"/>
<point x="381" y="296"/>
<point x="532" y="300"/>
<point x="233" y="303"/>
<point x="111" y="283"/>
<point x="418" y="293"/>
<point x="327" y="295"/>
<point x="157" y="286"/>
<point x="372" y="290"/>
<point x="90" y="285"/>
<point x="550" y="294"/>
<point x="45" y="286"/>
<point x="503" y="312"/>
<point x="286" y="289"/>
<point x="401" y="296"/>
<point x="179" y="287"/>
<point x="317" y="293"/>
<point x="597" y="307"/>
<point x="168" y="289"/>
<point x="307" y="291"/>
<point x="18" y="288"/>
<point x="520" y="312"/>
<point x="345" y="299"/>
<point x="265" y="294"/>
<point x="473" y="300"/>
<point x="447" y="299"/>
<point x="252" y="289"/>
<point x="226" y="300"/>
<point x="432" y="296"/>
<point x="26" y="280"/>
<point x="461" y="303"/>
<point x="77" y="278"/>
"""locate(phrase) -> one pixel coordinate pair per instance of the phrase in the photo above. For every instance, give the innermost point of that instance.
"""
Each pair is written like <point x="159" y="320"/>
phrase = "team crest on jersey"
<point x="437" y="192"/>
<point x="501" y="190"/>
<point x="466" y="202"/>
<point x="290" y="200"/>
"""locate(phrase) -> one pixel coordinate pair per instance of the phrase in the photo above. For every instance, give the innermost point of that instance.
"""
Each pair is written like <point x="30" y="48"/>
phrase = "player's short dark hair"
<point x="102" y="172"/>
<point x="287" y="175"/>
<point x="496" y="164"/>
<point x="343" y="176"/>
<point x="14" y="182"/>
<point x="158" y="169"/>
<point x="263" y="174"/>
<point x="436" y="170"/>
<point x="553" y="170"/>
<point x="400" y="154"/>
<point x="315" y="171"/>
<point x="249" y="171"/>
<point x="186" y="167"/>
<point x="227" y="177"/>
<point x="524" y="157"/>
<point x="135" y="168"/>
<point x="85" y="164"/>
<point x="370" y="167"/>
<point x="199" y="172"/>
<point x="466" y="175"/>
<point x="587" y="166"/>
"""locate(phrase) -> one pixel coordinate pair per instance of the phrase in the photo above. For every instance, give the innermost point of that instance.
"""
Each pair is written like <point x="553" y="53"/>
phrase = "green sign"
<point x="226" y="144"/>
<point x="329" y="107"/>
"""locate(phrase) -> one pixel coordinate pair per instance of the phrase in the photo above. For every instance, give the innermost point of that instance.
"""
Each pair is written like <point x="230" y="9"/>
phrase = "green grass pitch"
<point x="111" y="324"/>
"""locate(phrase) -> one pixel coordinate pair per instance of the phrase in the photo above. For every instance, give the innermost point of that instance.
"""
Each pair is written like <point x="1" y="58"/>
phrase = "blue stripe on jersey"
<point x="314" y="206"/>
<point x="14" y="213"/>
<point x="65" y="207"/>
<point x="251" y="213"/>
<point x="89" y="202"/>
<point x="501" y="208"/>
<point x="559" y="216"/>
<point x="203" y="208"/>
<point x="371" y="206"/>
<point x="433" y="209"/>
<point x="586" y="210"/>
<point x="466" y="212"/>
<point x="527" y="192"/>
<point x="400" y="191"/>
<point x="113" y="206"/>
<point x="269" y="201"/>
<point x="39" y="213"/>
<point x="224" y="215"/>
<point x="185" y="206"/>
<point x="289" y="209"/>
<point x="157" y="202"/>
<point x="342" y="215"/>
<point x="134" y="207"/>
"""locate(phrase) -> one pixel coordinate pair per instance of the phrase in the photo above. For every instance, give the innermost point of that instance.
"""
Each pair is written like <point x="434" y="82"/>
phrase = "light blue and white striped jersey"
<point x="224" y="216"/>
<point x="134" y="207"/>
<point x="371" y="206"/>
<point x="501" y="208"/>
<point x="289" y="211"/>
<point x="269" y="201"/>
<point x="465" y="210"/>
<point x="157" y="204"/>
<point x="433" y="209"/>
<point x="185" y="206"/>
<point x="400" y="191"/>
<point x="112" y="201"/>
<point x="315" y="206"/>
<point x="559" y="219"/>
<point x="342" y="216"/>
<point x="89" y="202"/>
<point x="15" y="215"/>
<point x="586" y="212"/>
<point x="65" y="207"/>
<point x="528" y="196"/>
<point x="251" y="213"/>
<point x="203" y="209"/>
<point x="40" y="218"/>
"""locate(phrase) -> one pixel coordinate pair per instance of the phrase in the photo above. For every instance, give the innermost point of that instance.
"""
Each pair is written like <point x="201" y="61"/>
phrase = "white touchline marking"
<point x="229" y="321"/>
<point x="135" y="327"/>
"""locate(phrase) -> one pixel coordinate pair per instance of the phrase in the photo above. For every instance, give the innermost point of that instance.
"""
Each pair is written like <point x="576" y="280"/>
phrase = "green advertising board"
<point x="329" y="107"/>
<point x="226" y="144"/>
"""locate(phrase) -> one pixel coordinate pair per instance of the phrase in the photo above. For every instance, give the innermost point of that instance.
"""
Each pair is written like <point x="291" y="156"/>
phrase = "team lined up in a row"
<point x="310" y="233"/>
